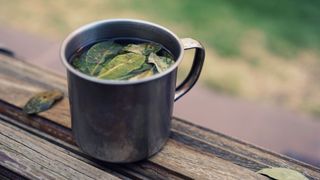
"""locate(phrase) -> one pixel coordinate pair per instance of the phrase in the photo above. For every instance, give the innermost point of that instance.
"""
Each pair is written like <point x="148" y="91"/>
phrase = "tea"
<point x="122" y="59"/>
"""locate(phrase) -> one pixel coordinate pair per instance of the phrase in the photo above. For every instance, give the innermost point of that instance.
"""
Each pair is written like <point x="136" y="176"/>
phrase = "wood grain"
<point x="263" y="157"/>
<point x="36" y="158"/>
<point x="199" y="165"/>
<point x="20" y="81"/>
<point x="163" y="165"/>
<point x="209" y="154"/>
<point x="55" y="133"/>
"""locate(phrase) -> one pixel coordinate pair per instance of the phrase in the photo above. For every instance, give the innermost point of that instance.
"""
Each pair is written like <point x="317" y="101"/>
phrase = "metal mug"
<point x="126" y="121"/>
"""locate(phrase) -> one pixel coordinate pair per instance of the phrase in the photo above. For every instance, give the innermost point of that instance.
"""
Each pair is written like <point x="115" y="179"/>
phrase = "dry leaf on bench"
<point x="282" y="174"/>
<point x="42" y="101"/>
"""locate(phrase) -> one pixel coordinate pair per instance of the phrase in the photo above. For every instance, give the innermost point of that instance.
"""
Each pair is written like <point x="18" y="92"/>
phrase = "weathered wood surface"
<point x="37" y="158"/>
<point x="191" y="152"/>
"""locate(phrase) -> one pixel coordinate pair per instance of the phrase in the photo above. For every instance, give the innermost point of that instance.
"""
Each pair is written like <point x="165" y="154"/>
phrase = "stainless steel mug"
<point x="126" y="121"/>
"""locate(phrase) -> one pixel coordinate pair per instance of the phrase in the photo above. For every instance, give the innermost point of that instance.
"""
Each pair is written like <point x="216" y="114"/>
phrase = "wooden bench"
<point x="41" y="146"/>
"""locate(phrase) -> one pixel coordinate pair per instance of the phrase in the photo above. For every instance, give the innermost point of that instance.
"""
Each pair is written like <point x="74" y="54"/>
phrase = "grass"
<point x="289" y="25"/>
<point x="264" y="51"/>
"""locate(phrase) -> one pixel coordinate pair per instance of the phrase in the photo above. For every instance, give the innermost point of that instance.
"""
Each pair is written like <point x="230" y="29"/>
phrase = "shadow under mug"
<point x="125" y="121"/>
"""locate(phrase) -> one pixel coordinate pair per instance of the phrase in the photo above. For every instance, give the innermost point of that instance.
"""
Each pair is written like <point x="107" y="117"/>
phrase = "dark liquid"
<point x="122" y="41"/>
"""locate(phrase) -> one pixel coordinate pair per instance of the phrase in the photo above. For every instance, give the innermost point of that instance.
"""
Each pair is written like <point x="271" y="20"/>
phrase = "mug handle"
<point x="196" y="67"/>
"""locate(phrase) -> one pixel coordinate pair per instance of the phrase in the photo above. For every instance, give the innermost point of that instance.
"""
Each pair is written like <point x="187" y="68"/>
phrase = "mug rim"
<point x="88" y="26"/>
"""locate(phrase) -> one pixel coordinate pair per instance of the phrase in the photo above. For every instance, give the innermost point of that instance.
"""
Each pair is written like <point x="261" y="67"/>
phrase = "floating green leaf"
<point x="121" y="65"/>
<point x="42" y="101"/>
<point x="109" y="60"/>
<point x="80" y="64"/>
<point x="162" y="63"/>
<point x="282" y="174"/>
<point x="134" y="48"/>
<point x="99" y="54"/>
<point x="127" y="77"/>
<point x="151" y="48"/>
<point x="144" y="67"/>
<point x="144" y="49"/>
<point x="141" y="75"/>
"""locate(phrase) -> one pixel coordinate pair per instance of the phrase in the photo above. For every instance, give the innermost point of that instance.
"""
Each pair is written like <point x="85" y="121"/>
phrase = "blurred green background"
<point x="263" y="51"/>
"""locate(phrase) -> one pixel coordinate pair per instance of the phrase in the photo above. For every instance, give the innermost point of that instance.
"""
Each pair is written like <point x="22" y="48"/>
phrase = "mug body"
<point x="121" y="121"/>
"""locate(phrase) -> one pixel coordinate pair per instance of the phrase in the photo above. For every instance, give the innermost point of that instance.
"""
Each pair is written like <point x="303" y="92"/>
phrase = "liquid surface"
<point x="122" y="59"/>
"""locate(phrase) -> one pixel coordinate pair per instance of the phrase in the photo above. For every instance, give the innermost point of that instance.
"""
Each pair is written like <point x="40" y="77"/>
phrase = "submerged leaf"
<point x="144" y="67"/>
<point x="134" y="48"/>
<point x="109" y="60"/>
<point x="162" y="63"/>
<point x="121" y="65"/>
<point x="127" y="77"/>
<point x="77" y="62"/>
<point x="282" y="174"/>
<point x="167" y="55"/>
<point x="42" y="101"/>
<point x="141" y="75"/>
<point x="100" y="53"/>
<point x="102" y="50"/>
<point x="80" y="64"/>
<point x="151" y="48"/>
<point x="144" y="48"/>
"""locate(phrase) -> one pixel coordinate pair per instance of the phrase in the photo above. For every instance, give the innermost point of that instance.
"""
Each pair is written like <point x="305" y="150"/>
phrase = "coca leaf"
<point x="282" y="174"/>
<point x="99" y="54"/>
<point x="121" y="65"/>
<point x="143" y="74"/>
<point x="167" y="55"/>
<point x="80" y="64"/>
<point x="42" y="101"/>
<point x="144" y="48"/>
<point x="109" y="60"/>
<point x="162" y="63"/>
<point x="128" y="76"/>
<point x="134" y="48"/>
<point x="144" y="67"/>
<point x="151" y="48"/>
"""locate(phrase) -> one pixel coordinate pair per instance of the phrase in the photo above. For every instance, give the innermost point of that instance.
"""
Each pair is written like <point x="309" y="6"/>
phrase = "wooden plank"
<point x="182" y="158"/>
<point x="231" y="156"/>
<point x="243" y="149"/>
<point x="16" y="72"/>
<point x="143" y="167"/>
<point x="31" y="83"/>
<point x="36" y="158"/>
<point x="192" y="165"/>
<point x="20" y="81"/>
<point x="55" y="133"/>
